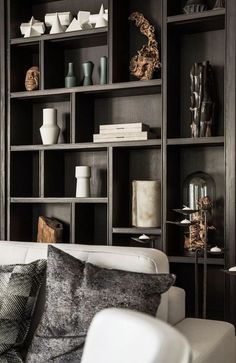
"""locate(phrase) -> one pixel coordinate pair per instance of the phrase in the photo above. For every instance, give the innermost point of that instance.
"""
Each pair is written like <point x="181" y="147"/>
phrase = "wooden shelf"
<point x="191" y="260"/>
<point x="204" y="21"/>
<point x="60" y="200"/>
<point x="153" y="143"/>
<point x="79" y="34"/>
<point x="211" y="141"/>
<point x="134" y="88"/>
<point x="136" y="230"/>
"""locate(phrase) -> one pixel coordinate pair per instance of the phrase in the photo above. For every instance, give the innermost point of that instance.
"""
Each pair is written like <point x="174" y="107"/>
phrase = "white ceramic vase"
<point x="49" y="130"/>
<point x="83" y="175"/>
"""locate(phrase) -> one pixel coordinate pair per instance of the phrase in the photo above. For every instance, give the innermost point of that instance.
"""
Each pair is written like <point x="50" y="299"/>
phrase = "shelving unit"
<point x="41" y="178"/>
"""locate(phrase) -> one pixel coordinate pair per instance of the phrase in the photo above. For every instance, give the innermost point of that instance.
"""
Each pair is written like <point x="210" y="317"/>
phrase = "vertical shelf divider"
<point x="41" y="173"/>
<point x="110" y="196"/>
<point x="41" y="63"/>
<point x="72" y="223"/>
<point x="73" y="117"/>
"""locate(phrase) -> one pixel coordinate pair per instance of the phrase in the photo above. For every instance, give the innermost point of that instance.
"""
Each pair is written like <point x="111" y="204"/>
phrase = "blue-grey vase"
<point x="103" y="70"/>
<point x="88" y="71"/>
<point x="70" y="79"/>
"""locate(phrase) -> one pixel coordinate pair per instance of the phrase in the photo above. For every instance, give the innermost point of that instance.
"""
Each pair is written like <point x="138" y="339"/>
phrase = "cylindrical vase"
<point x="103" y="70"/>
<point x="49" y="130"/>
<point x="146" y="203"/>
<point x="83" y="175"/>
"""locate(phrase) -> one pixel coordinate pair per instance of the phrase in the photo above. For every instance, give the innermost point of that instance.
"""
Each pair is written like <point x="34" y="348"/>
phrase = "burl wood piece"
<point x="50" y="230"/>
<point x="32" y="79"/>
<point x="147" y="60"/>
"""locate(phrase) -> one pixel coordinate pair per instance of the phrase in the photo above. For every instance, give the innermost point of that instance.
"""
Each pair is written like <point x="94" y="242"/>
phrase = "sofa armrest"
<point x="176" y="305"/>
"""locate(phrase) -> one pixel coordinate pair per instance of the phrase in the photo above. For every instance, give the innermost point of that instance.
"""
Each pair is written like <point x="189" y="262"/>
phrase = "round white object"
<point x="232" y="268"/>
<point x="185" y="221"/>
<point x="82" y="172"/>
<point x="144" y="237"/>
<point x="215" y="249"/>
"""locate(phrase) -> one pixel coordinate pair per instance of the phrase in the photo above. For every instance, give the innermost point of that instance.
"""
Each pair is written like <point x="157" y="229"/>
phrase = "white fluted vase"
<point x="49" y="130"/>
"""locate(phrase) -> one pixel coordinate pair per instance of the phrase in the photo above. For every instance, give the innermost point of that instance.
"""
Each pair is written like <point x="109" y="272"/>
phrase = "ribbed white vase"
<point x="49" y="130"/>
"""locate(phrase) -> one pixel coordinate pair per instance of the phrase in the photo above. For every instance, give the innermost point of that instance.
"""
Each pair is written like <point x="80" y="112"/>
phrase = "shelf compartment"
<point x="91" y="224"/>
<point x="95" y="110"/>
<point x="24" y="220"/>
<point x="180" y="48"/>
<point x="183" y="161"/>
<point x="122" y="50"/>
<point x="129" y="165"/>
<point x="122" y="89"/>
<point x="59" y="172"/>
<point x="21" y="60"/>
<point x="25" y="171"/>
<point x="27" y="118"/>
<point x="76" y="50"/>
<point x="22" y="11"/>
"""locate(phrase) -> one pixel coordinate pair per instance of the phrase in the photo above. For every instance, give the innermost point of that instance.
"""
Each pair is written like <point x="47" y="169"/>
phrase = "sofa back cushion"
<point x="122" y="258"/>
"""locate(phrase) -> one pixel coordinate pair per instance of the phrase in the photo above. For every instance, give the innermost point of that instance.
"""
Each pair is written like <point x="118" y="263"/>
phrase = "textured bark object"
<point x="202" y="101"/>
<point x="32" y="79"/>
<point x="146" y="203"/>
<point x="195" y="6"/>
<point x="147" y="60"/>
<point x="50" y="230"/>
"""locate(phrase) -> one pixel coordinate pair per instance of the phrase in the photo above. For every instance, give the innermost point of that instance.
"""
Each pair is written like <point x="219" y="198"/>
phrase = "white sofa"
<point x="211" y="341"/>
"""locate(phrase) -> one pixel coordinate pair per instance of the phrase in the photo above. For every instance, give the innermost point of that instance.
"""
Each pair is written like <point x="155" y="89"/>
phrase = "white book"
<point x="124" y="136"/>
<point x="131" y="127"/>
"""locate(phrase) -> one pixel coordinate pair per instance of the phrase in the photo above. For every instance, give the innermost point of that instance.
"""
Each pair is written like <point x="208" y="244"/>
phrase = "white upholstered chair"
<point x="120" y="335"/>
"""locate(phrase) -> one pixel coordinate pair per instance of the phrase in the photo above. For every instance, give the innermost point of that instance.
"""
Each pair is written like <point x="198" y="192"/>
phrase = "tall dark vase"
<point x="88" y="71"/>
<point x="70" y="79"/>
<point x="103" y="70"/>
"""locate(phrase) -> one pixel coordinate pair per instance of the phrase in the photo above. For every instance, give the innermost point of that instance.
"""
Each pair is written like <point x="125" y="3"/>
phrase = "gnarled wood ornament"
<point x="147" y="60"/>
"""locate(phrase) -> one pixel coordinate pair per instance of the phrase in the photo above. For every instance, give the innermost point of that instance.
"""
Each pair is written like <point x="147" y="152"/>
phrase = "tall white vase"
<point x="49" y="130"/>
<point x="83" y="175"/>
<point x="146" y="203"/>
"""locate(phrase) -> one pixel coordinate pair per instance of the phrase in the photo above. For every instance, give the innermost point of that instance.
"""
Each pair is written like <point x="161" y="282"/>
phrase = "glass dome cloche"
<point x="199" y="196"/>
<point x="197" y="186"/>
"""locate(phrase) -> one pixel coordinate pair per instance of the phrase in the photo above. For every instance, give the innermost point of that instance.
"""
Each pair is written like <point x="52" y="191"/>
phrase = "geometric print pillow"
<point x="19" y="287"/>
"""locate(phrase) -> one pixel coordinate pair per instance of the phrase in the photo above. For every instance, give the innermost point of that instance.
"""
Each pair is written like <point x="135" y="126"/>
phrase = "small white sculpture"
<point x="232" y="269"/>
<point x="82" y="23"/>
<point x="65" y="18"/>
<point x="33" y="28"/>
<point x="144" y="237"/>
<point x="57" y="27"/>
<point x="49" y="130"/>
<point x="101" y="21"/>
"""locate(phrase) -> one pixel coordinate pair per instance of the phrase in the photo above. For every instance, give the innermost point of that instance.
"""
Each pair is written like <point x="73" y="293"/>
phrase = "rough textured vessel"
<point x="49" y="130"/>
<point x="146" y="203"/>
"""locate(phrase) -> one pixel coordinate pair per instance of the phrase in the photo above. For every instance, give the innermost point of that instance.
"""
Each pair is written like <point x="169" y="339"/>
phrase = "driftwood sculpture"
<point x="147" y="60"/>
<point x="32" y="79"/>
<point x="202" y="101"/>
<point x="50" y="230"/>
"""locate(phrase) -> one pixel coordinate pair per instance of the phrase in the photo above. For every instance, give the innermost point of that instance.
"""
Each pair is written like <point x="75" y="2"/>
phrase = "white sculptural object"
<point x="83" y="175"/>
<point x="58" y="21"/>
<point x="33" y="28"/>
<point x="82" y="23"/>
<point x="101" y="19"/>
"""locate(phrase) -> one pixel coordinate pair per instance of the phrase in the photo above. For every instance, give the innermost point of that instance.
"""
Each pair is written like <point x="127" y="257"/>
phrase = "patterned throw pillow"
<point x="75" y="292"/>
<point x="19" y="286"/>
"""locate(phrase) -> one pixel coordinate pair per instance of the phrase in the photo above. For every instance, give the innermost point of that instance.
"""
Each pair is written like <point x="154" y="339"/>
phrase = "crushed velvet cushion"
<point x="19" y="286"/>
<point x="75" y="292"/>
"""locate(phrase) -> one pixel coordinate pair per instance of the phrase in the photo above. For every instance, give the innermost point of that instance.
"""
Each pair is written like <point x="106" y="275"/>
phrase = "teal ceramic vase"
<point x="70" y="79"/>
<point x="103" y="70"/>
<point x="88" y="71"/>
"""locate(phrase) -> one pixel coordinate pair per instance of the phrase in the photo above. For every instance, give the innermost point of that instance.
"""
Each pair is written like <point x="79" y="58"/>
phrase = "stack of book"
<point x="123" y="132"/>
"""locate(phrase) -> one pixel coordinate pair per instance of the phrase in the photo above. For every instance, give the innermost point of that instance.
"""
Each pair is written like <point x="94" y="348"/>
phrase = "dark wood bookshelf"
<point x="40" y="178"/>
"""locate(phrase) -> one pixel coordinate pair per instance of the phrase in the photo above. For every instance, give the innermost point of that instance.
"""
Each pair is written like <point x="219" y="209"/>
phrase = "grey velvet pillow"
<point x="19" y="286"/>
<point x="75" y="292"/>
